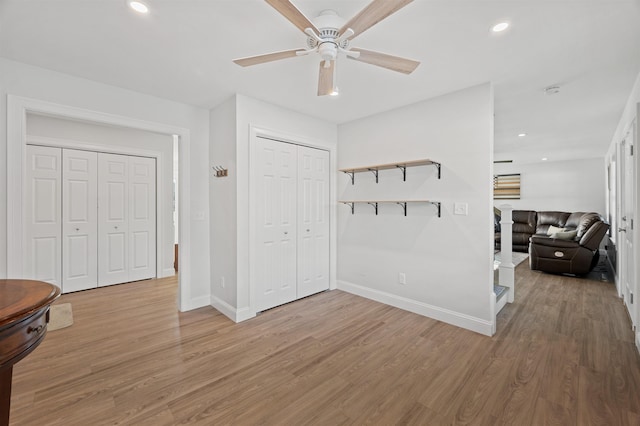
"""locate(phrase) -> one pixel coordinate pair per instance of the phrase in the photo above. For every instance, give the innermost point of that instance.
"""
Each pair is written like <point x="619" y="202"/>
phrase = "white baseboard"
<point x="494" y="311"/>
<point x="196" y="303"/>
<point x="441" y="314"/>
<point x="168" y="272"/>
<point x="244" y="314"/>
<point x="235" y="315"/>
<point x="502" y="302"/>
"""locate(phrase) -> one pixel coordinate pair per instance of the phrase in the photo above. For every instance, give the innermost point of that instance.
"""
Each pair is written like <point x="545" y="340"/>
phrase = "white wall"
<point x="230" y="236"/>
<point x="223" y="207"/>
<point x="566" y="186"/>
<point x="447" y="260"/>
<point x="45" y="85"/>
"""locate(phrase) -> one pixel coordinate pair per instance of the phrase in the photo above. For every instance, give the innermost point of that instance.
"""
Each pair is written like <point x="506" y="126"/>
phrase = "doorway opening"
<point x="19" y="107"/>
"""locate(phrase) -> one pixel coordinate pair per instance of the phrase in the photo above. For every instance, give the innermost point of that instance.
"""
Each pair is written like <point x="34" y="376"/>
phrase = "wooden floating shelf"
<point x="374" y="203"/>
<point x="401" y="165"/>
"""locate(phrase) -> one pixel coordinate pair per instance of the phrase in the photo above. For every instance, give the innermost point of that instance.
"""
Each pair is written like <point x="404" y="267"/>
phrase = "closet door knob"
<point x="77" y="229"/>
<point x="308" y="230"/>
<point x="115" y="227"/>
<point x="285" y="232"/>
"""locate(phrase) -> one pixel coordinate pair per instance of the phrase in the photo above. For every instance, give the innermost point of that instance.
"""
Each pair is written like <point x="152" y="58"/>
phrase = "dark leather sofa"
<point x="559" y="242"/>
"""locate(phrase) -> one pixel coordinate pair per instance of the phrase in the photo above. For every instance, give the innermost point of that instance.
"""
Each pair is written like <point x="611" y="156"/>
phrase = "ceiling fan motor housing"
<point x="329" y="24"/>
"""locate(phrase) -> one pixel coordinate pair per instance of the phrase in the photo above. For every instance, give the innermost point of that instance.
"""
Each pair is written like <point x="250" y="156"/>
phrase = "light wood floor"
<point x="563" y="355"/>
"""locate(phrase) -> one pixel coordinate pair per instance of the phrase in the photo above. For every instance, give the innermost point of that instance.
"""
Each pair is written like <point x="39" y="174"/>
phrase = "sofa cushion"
<point x="573" y="221"/>
<point x="524" y="221"/>
<point x="546" y="219"/>
<point x="586" y="221"/>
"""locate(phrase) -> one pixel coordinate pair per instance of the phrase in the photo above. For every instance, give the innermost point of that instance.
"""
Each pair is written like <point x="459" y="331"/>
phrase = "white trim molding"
<point x="441" y="314"/>
<point x="17" y="110"/>
<point x="235" y="315"/>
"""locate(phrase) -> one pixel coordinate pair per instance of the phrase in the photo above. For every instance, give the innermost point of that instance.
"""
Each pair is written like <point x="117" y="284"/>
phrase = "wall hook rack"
<point x="220" y="171"/>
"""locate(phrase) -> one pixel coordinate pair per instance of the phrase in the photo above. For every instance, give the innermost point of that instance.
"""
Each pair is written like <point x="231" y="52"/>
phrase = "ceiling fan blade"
<point x="395" y="63"/>
<point x="293" y="14"/>
<point x="325" y="80"/>
<point x="375" y="12"/>
<point x="267" y="57"/>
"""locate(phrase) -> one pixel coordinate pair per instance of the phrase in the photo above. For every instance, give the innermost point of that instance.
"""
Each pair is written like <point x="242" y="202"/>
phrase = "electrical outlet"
<point x="461" y="208"/>
<point x="402" y="278"/>
<point x="222" y="282"/>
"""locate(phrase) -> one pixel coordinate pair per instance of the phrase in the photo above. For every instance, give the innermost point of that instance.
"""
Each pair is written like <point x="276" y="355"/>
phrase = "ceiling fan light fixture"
<point x="138" y="6"/>
<point x="328" y="35"/>
<point x="328" y="51"/>
<point x="499" y="27"/>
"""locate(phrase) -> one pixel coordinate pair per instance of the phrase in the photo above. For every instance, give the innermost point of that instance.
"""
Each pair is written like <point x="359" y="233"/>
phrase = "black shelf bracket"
<point x="375" y="207"/>
<point x="404" y="172"/>
<point x="403" y="204"/>
<point x="375" y="173"/>
<point x="352" y="175"/>
<point x="438" y="166"/>
<point x="352" y="205"/>
<point x="437" y="204"/>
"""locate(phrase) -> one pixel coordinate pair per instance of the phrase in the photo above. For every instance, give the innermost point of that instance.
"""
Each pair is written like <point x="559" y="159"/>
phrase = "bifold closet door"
<point x="292" y="222"/>
<point x="142" y="218"/>
<point x="43" y="221"/>
<point x="275" y="182"/>
<point x="313" y="221"/>
<point x="79" y="220"/>
<point x="126" y="218"/>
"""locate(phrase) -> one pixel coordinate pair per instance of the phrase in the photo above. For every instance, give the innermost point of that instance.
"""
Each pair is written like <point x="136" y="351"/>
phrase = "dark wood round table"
<point x="24" y="314"/>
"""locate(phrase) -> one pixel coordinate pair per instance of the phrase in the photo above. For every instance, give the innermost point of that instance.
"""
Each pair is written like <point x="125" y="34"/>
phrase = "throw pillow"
<point x="553" y="230"/>
<point x="565" y="235"/>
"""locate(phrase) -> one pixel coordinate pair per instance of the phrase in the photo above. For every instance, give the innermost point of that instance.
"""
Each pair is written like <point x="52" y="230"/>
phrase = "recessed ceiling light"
<point x="522" y="135"/>
<point x="500" y="27"/>
<point x="544" y="158"/>
<point x="138" y="6"/>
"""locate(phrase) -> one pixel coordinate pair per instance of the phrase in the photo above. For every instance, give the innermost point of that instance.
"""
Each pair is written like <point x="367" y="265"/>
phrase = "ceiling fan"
<point x="328" y="35"/>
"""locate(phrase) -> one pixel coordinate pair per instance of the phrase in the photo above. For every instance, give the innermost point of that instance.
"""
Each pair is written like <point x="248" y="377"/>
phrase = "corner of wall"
<point x="235" y="315"/>
<point x="223" y="206"/>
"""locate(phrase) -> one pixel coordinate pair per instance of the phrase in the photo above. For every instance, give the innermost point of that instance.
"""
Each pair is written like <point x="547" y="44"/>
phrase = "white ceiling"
<point x="183" y="51"/>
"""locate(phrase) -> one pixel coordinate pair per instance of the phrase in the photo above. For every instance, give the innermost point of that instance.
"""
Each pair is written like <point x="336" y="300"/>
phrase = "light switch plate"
<point x="461" y="208"/>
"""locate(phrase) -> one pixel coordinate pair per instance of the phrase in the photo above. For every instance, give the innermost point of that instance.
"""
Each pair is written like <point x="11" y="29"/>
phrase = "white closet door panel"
<point x="79" y="220"/>
<point x="113" y="219"/>
<point x="313" y="221"/>
<point x="43" y="257"/>
<point x="275" y="179"/>
<point x="142" y="218"/>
